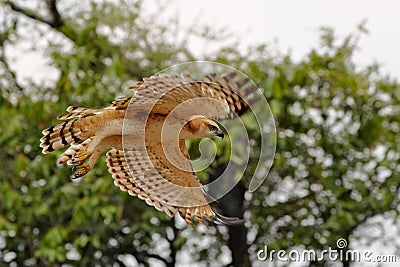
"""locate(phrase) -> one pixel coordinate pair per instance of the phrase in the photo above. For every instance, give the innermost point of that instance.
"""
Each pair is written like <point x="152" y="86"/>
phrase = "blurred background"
<point x="329" y="70"/>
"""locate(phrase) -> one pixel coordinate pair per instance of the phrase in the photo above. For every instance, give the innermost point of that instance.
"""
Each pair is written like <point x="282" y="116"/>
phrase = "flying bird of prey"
<point x="146" y="134"/>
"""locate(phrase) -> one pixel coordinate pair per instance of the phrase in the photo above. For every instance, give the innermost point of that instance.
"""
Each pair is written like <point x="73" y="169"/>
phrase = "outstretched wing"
<point x="152" y="177"/>
<point x="163" y="93"/>
<point x="229" y="90"/>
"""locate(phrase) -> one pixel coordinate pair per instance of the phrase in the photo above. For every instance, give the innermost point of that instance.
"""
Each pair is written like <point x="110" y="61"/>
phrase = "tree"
<point x="335" y="167"/>
<point x="337" y="150"/>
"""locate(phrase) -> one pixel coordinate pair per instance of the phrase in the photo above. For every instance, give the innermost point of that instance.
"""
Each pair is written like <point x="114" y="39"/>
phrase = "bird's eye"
<point x="212" y="128"/>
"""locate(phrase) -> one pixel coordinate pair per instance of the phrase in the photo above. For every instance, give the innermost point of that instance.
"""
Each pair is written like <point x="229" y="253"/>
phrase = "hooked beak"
<point x="220" y="134"/>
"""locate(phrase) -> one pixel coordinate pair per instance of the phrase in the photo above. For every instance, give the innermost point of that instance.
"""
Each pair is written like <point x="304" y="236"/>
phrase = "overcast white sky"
<point x="295" y="24"/>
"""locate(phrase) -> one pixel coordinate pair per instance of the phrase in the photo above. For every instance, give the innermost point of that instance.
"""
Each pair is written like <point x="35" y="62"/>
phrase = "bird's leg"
<point x="85" y="159"/>
<point x="83" y="162"/>
<point x="80" y="168"/>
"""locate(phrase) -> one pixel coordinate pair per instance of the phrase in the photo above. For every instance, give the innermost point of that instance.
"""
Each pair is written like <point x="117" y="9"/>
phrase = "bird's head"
<point x="200" y="126"/>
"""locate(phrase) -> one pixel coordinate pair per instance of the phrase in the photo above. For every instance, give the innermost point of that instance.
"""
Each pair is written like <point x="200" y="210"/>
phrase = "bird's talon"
<point x="80" y="157"/>
<point x="76" y="163"/>
<point x="80" y="170"/>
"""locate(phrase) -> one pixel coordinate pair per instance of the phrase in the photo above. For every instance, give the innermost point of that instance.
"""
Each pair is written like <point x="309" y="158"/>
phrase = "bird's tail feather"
<point x="61" y="135"/>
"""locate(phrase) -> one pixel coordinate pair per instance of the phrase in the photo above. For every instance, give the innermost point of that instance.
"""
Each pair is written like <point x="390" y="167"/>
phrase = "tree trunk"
<point x="232" y="205"/>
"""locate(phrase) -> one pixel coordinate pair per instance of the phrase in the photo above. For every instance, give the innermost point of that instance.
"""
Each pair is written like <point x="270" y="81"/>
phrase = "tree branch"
<point x="158" y="257"/>
<point x="125" y="244"/>
<point x="29" y="13"/>
<point x="57" y="20"/>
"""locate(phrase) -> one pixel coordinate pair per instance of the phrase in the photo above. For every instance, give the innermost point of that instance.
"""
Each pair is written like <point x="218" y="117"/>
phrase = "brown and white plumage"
<point x="143" y="160"/>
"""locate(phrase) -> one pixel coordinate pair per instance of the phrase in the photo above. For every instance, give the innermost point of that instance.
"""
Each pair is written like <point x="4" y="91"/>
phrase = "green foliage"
<point x="337" y="150"/>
